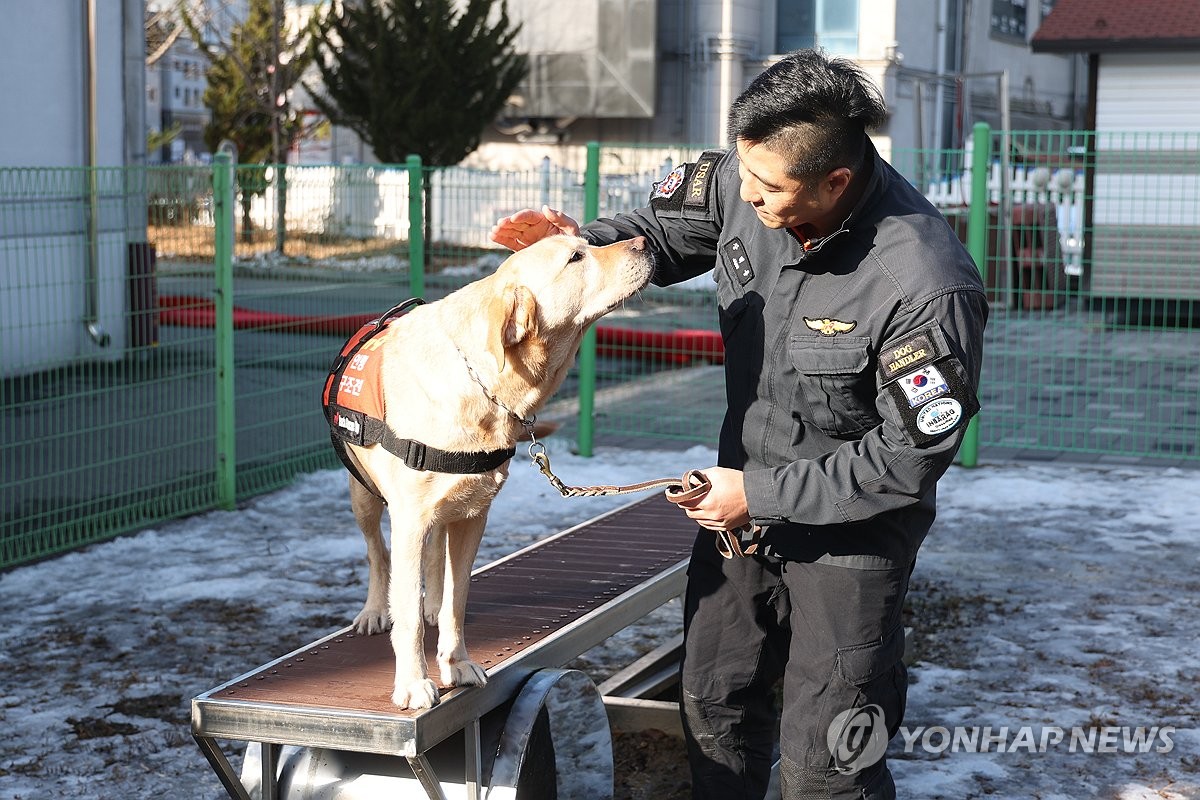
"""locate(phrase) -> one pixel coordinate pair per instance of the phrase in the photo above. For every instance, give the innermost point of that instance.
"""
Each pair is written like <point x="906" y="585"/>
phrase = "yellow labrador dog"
<point x="461" y="379"/>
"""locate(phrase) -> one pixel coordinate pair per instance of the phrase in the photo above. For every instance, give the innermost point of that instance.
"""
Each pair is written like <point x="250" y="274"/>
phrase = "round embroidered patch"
<point x="939" y="416"/>
<point x="667" y="186"/>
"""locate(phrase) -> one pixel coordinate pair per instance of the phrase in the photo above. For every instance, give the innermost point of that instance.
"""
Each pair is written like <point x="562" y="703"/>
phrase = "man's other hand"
<point x="519" y="230"/>
<point x="723" y="507"/>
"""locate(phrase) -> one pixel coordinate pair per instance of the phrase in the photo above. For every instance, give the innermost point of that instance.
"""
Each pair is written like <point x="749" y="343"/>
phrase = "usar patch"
<point x="702" y="175"/>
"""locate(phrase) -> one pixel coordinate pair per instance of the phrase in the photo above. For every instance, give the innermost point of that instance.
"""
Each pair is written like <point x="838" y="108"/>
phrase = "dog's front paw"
<point x="418" y="694"/>
<point x="431" y="607"/>
<point x="372" y="620"/>
<point x="462" y="673"/>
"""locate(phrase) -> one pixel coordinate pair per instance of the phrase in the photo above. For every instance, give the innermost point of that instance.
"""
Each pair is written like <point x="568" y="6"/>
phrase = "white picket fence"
<point x="1026" y="185"/>
<point x="372" y="202"/>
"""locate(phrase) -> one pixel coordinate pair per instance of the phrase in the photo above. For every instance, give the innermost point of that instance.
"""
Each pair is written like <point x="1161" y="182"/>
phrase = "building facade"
<point x="73" y="96"/>
<point x="942" y="66"/>
<point x="175" y="87"/>
<point x="1142" y="218"/>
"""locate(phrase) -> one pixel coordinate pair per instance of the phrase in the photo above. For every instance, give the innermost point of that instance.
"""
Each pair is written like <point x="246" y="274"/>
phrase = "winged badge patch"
<point x="829" y="327"/>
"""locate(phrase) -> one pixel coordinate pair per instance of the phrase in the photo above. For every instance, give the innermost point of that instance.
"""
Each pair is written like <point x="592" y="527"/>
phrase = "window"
<point x="1047" y="7"/>
<point x="1008" y="18"/>
<point x="829" y="24"/>
<point x="795" y="25"/>
<point x="837" y="26"/>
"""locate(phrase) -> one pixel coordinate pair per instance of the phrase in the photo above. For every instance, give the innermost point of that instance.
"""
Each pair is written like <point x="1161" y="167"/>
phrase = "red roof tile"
<point x="1096" y="26"/>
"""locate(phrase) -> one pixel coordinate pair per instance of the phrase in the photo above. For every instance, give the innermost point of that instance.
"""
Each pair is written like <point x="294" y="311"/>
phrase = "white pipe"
<point x="726" y="53"/>
<point x="939" y="103"/>
<point x="91" y="316"/>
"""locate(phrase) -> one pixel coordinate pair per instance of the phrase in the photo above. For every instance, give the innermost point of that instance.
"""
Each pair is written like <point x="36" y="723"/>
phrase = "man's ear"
<point x="512" y="317"/>
<point x="836" y="182"/>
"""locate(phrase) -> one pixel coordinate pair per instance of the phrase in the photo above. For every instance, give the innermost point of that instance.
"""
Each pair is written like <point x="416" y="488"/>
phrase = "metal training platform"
<point x="320" y="721"/>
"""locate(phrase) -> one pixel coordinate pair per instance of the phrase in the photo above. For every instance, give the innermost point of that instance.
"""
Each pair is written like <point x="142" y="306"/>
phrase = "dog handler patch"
<point x="914" y="350"/>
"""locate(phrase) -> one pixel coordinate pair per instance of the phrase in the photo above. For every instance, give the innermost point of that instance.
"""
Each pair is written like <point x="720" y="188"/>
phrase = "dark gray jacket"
<point x="851" y="367"/>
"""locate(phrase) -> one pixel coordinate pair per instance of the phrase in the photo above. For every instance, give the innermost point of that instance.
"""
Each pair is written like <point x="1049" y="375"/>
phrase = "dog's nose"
<point x="637" y="244"/>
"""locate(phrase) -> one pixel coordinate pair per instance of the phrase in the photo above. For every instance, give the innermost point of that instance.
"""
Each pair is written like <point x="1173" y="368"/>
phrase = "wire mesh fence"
<point x="110" y="300"/>
<point x="1094" y="293"/>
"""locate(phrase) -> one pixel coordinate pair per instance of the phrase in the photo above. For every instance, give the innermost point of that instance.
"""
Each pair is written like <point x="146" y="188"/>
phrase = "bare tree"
<point x="252" y="71"/>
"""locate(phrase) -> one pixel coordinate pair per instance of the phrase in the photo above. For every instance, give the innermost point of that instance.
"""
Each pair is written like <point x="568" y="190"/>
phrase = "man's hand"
<point x="518" y="231"/>
<point x="723" y="507"/>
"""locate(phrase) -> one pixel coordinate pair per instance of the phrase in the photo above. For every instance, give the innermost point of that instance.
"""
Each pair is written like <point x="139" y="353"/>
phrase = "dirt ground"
<point x="650" y="765"/>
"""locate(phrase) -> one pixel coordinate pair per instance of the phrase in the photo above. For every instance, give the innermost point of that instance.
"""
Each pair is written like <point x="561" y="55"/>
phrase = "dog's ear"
<point x="513" y="317"/>
<point x="522" y="322"/>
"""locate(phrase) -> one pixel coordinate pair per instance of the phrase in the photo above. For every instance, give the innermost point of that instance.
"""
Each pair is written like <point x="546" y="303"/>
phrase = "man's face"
<point x="780" y="200"/>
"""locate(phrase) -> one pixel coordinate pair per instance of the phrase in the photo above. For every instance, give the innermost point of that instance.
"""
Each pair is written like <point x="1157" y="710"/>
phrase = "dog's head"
<point x="549" y="292"/>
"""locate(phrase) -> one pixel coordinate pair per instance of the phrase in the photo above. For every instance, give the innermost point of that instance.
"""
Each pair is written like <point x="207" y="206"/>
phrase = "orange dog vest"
<point x="354" y="407"/>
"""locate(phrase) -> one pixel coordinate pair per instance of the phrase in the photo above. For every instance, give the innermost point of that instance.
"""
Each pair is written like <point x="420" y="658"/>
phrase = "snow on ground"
<point x="1048" y="599"/>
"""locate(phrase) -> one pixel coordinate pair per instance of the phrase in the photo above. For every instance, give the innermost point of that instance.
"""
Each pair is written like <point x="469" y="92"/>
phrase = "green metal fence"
<point x="165" y="331"/>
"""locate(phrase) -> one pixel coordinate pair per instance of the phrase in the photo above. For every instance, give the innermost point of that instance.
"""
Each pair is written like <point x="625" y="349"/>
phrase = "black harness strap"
<point x="348" y="425"/>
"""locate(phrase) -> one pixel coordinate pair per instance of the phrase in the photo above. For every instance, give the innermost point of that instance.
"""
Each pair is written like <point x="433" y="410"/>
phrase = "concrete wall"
<point x="43" y="92"/>
<point x="52" y="279"/>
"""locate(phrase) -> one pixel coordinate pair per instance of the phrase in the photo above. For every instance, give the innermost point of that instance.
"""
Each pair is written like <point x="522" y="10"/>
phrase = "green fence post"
<point x="587" y="348"/>
<point x="977" y="220"/>
<point x="280" y="206"/>
<point x="226" y="430"/>
<point x="416" y="227"/>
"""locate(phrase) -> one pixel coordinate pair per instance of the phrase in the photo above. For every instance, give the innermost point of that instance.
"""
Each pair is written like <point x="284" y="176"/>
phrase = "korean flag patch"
<point x="923" y="385"/>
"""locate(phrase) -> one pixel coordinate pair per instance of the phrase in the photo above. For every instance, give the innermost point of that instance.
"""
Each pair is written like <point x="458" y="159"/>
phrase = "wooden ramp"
<point x="535" y="609"/>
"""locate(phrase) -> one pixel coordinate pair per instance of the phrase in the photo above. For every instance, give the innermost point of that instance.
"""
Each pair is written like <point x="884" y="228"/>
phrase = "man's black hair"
<point x="812" y="109"/>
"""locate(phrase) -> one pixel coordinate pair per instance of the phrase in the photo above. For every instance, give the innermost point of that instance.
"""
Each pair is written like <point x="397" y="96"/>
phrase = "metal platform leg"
<point x="220" y="764"/>
<point x="270" y="769"/>
<point x="424" y="772"/>
<point x="473" y="767"/>
<point x="473" y="773"/>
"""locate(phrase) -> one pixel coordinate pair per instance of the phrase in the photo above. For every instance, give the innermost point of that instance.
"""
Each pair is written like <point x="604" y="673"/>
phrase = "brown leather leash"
<point x="741" y="542"/>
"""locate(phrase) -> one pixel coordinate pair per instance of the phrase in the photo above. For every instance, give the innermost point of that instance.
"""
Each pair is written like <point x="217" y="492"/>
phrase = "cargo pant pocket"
<point x="872" y="683"/>
<point x="862" y="707"/>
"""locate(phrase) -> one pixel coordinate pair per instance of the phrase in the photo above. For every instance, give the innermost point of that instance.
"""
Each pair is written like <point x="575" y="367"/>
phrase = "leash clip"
<point x="537" y="454"/>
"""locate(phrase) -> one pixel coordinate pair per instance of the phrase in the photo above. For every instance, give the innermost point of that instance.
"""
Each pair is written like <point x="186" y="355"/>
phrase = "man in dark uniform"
<point x="853" y="326"/>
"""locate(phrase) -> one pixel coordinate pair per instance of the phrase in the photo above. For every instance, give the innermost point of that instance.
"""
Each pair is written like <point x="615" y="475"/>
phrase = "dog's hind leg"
<point x="368" y="511"/>
<point x="462" y="544"/>
<point x="435" y="573"/>
<point x="413" y="688"/>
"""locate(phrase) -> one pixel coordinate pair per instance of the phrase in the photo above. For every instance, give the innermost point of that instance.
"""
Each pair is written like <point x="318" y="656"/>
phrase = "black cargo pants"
<point x="833" y="634"/>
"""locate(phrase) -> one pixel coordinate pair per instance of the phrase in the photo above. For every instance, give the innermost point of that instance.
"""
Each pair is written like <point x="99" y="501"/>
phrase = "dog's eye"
<point x="576" y="256"/>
